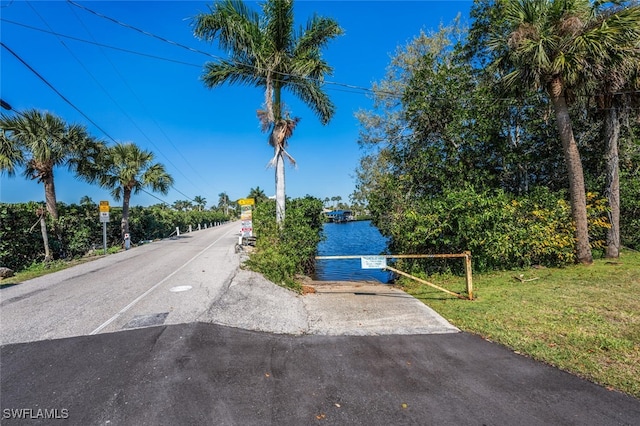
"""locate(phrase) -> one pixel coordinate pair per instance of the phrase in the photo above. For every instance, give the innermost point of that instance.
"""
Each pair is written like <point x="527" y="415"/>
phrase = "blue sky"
<point x="209" y="140"/>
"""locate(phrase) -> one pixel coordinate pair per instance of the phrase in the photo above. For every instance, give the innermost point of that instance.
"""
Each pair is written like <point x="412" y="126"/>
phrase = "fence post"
<point x="177" y="231"/>
<point x="467" y="270"/>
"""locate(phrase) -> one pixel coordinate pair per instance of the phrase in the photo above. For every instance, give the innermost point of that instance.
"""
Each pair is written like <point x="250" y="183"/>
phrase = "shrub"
<point x="501" y="231"/>
<point x="78" y="230"/>
<point x="282" y="253"/>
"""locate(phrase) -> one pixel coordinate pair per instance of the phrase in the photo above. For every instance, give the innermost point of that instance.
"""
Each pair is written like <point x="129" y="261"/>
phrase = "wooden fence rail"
<point x="467" y="267"/>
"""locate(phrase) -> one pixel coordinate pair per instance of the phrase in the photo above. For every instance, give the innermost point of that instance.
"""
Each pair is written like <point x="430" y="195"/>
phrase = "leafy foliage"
<point x="283" y="252"/>
<point x="79" y="232"/>
<point x="501" y="231"/>
<point x="452" y="163"/>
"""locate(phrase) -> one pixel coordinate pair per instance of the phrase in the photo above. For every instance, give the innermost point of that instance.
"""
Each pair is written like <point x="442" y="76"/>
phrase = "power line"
<point x="355" y="88"/>
<point x="124" y="80"/>
<point x="44" y="80"/>
<point x="116" y="103"/>
<point x="194" y="50"/>
<point x="65" y="99"/>
<point x="95" y="43"/>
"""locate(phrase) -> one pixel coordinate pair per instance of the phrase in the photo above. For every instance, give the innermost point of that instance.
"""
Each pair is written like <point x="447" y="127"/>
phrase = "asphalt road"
<point x="112" y="342"/>
<point x="126" y="289"/>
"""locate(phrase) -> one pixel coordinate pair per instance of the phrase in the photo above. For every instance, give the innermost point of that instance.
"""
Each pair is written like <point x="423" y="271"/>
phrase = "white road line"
<point x="139" y="298"/>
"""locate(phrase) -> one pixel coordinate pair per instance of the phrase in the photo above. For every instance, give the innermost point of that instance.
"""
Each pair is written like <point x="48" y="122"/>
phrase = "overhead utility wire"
<point x="44" y="80"/>
<point x="133" y="92"/>
<point x="129" y="117"/>
<point x="63" y="97"/>
<point x="110" y="47"/>
<point x="133" y="52"/>
<point x="354" y="89"/>
<point x="191" y="49"/>
<point x="112" y="99"/>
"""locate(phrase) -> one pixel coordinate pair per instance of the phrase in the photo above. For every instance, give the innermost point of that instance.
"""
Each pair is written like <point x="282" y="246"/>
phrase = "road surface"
<point x="166" y="282"/>
<point x="174" y="333"/>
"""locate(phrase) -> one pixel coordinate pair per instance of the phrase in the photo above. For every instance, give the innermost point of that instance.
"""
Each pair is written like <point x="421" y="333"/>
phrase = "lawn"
<point x="581" y="319"/>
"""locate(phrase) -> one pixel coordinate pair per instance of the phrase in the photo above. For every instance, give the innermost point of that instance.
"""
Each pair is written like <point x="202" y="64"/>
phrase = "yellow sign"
<point x="104" y="206"/>
<point x="246" y="201"/>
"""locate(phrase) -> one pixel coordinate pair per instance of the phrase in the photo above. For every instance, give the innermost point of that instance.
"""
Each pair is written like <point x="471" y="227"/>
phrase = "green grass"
<point x="38" y="269"/>
<point x="581" y="319"/>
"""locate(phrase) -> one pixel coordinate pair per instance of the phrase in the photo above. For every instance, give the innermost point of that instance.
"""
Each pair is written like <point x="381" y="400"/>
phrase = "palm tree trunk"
<point x="612" y="190"/>
<point x="45" y="238"/>
<point x="50" y="195"/>
<point x="575" y="172"/>
<point x="124" y="224"/>
<point x="280" y="188"/>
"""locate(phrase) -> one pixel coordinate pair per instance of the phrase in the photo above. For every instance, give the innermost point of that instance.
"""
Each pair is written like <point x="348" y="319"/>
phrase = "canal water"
<point x="350" y="238"/>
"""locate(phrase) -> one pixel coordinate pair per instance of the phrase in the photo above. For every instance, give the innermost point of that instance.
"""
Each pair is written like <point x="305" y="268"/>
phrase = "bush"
<point x="281" y="254"/>
<point x="78" y="229"/>
<point x="500" y="230"/>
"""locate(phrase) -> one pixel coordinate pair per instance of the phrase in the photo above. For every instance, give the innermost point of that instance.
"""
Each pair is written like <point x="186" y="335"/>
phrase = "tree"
<point x="266" y="51"/>
<point x="257" y="194"/>
<point x="201" y="202"/>
<point x="556" y="46"/>
<point x="85" y="200"/>
<point x="125" y="170"/>
<point x="223" y="202"/>
<point x="616" y="92"/>
<point x="41" y="141"/>
<point x="182" y="205"/>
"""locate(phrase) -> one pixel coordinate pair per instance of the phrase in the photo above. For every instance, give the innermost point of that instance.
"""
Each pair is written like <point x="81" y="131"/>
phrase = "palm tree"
<point x="257" y="194"/>
<point x="557" y="46"/>
<point x="201" y="202"/>
<point x="223" y="202"/>
<point x="616" y="91"/>
<point x="86" y="201"/>
<point x="126" y="170"/>
<point x="182" y="205"/>
<point x="41" y="141"/>
<point x="266" y="51"/>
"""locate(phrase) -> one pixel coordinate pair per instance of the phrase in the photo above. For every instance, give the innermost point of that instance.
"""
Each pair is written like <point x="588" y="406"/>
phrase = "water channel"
<point x="350" y="238"/>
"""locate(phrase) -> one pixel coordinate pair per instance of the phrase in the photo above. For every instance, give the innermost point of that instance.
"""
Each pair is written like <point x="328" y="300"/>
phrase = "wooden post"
<point x="467" y="270"/>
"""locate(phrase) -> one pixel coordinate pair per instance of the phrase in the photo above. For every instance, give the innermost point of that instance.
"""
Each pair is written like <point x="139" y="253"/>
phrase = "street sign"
<point x="373" y="262"/>
<point x="246" y="201"/>
<point x="104" y="216"/>
<point x="104" y="206"/>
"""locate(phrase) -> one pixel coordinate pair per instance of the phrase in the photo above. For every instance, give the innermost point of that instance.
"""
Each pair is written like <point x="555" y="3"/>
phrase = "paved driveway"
<point x="206" y="374"/>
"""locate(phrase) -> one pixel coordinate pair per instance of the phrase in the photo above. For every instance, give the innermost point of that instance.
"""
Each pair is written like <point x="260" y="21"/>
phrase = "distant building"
<point x="339" y="216"/>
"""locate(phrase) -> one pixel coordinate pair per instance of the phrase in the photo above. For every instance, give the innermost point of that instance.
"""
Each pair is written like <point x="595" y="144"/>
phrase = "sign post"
<point x="246" y="216"/>
<point x="104" y="218"/>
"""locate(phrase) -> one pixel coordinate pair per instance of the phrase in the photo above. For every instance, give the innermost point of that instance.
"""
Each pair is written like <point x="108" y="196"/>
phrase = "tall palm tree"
<point x="223" y="202"/>
<point x="557" y="46"/>
<point x="257" y="194"/>
<point x="41" y="141"/>
<point x="266" y="51"/>
<point x="126" y="170"/>
<point x="616" y="92"/>
<point x="201" y="202"/>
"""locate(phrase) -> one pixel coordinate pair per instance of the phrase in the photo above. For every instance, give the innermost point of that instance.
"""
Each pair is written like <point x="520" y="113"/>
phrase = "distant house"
<point x="339" y="216"/>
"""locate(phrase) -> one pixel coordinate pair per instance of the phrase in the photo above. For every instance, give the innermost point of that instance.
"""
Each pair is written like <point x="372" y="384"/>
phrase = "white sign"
<point x="104" y="216"/>
<point x="373" y="262"/>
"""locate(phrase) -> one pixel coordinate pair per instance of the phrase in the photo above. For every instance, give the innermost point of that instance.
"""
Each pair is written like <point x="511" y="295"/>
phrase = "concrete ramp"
<point x="328" y="308"/>
<point x="365" y="309"/>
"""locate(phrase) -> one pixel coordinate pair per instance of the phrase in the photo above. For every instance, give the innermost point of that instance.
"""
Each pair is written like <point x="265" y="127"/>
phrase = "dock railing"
<point x="465" y="255"/>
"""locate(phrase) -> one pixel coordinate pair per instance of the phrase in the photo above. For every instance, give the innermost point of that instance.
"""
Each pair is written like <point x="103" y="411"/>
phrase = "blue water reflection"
<point x="350" y="238"/>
